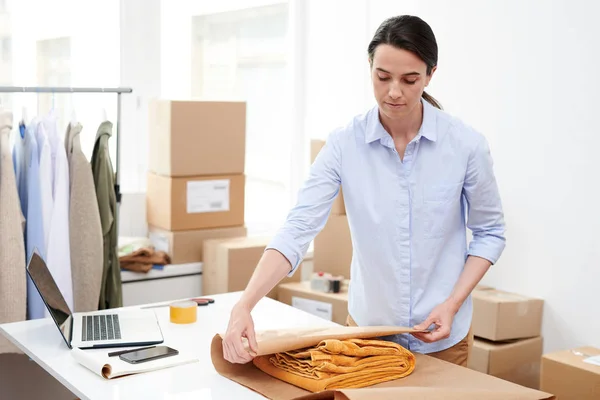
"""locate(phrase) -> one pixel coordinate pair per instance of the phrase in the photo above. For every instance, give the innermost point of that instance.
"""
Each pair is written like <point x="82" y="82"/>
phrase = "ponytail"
<point x="431" y="100"/>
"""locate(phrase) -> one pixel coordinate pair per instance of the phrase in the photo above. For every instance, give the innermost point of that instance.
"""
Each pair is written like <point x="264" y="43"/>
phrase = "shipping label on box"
<point x="207" y="196"/>
<point x="595" y="360"/>
<point x="189" y="203"/>
<point x="160" y="241"/>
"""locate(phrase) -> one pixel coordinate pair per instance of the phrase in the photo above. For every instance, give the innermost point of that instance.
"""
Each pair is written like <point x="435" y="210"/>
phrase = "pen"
<point x="201" y="301"/>
<point x="118" y="353"/>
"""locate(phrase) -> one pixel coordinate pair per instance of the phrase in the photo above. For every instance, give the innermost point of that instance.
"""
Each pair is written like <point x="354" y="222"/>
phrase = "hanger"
<point x="104" y="116"/>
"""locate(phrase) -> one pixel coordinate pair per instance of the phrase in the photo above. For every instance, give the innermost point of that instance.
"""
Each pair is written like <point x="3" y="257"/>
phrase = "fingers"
<point x="442" y="333"/>
<point x="425" y="324"/>
<point x="242" y="354"/>
<point x="227" y="354"/>
<point x="251" y="335"/>
<point x="240" y="326"/>
<point x="234" y="351"/>
<point x="422" y="336"/>
<point x="433" y="336"/>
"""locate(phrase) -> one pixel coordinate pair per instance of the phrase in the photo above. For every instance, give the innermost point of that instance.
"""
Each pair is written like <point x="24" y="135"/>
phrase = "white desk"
<point x="41" y="341"/>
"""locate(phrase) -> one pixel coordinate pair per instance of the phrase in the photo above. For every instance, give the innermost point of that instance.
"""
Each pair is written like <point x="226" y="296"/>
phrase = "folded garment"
<point x="339" y="364"/>
<point x="143" y="259"/>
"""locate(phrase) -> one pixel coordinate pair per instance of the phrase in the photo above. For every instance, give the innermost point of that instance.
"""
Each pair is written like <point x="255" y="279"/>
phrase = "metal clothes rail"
<point x="50" y="89"/>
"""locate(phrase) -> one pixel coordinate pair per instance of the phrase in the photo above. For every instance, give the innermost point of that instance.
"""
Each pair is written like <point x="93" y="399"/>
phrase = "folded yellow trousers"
<point x="339" y="364"/>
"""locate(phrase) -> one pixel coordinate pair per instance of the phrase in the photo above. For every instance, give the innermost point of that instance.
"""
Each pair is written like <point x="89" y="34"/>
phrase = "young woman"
<point x="414" y="179"/>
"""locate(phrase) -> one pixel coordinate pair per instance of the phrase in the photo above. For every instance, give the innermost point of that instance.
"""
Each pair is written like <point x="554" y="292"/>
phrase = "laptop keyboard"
<point x="100" y="327"/>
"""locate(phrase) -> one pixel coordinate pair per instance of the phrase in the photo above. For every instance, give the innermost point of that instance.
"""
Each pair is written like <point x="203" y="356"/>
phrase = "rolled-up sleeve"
<point x="315" y="198"/>
<point x="485" y="214"/>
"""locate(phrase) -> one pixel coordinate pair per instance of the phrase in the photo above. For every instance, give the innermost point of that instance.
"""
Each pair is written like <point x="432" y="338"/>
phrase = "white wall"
<point x="140" y="52"/>
<point x="336" y="64"/>
<point x="526" y="74"/>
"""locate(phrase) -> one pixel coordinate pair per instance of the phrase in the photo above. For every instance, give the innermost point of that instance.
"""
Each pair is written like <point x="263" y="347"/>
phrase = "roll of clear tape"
<point x="183" y="312"/>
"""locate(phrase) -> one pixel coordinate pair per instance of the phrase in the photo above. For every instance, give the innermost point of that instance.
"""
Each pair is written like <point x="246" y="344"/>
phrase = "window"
<point x="5" y="52"/>
<point x="53" y="68"/>
<point x="74" y="44"/>
<point x="242" y="54"/>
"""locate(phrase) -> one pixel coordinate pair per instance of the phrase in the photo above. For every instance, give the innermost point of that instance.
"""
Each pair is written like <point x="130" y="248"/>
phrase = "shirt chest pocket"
<point x="441" y="209"/>
<point x="444" y="193"/>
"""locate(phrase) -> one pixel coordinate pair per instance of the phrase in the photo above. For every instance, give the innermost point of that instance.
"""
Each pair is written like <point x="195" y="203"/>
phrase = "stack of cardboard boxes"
<point x="196" y="181"/>
<point x="508" y="342"/>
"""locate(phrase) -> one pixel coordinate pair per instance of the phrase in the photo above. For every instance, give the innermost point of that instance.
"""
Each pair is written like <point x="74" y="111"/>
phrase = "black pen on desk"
<point x="118" y="353"/>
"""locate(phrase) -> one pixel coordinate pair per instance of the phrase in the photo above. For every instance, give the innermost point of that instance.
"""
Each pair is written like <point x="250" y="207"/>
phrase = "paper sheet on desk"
<point x="113" y="367"/>
<point x="431" y="379"/>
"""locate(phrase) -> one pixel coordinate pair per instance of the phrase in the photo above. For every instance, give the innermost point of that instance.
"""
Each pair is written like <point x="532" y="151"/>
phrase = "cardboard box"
<point x="191" y="138"/>
<point x="330" y="306"/>
<point x="333" y="247"/>
<point x="229" y="264"/>
<point x="499" y="315"/>
<point x="566" y="375"/>
<point x="188" y="246"/>
<point x="202" y="202"/>
<point x="515" y="361"/>
<point x="338" y="207"/>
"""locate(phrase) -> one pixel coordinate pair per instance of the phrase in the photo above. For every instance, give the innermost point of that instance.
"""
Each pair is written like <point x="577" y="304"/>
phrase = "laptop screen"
<point x="55" y="302"/>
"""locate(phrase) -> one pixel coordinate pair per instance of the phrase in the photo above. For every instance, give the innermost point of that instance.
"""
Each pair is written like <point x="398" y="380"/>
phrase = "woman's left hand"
<point x="441" y="316"/>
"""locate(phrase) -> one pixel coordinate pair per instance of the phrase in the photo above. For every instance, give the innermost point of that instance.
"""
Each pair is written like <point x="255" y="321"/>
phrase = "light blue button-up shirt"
<point x="407" y="218"/>
<point x="27" y="171"/>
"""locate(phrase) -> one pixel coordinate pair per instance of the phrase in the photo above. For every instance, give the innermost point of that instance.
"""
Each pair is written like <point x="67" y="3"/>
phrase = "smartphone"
<point x="140" y="356"/>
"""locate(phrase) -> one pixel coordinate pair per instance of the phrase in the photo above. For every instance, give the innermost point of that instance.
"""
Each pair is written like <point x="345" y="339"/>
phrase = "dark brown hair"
<point x="412" y="34"/>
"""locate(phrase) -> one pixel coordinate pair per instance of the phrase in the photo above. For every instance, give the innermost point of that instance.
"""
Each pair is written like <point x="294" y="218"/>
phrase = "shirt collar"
<point x="376" y="131"/>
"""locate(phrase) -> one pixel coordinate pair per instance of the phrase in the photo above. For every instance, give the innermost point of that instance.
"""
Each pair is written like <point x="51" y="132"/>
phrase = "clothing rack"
<point x="50" y="89"/>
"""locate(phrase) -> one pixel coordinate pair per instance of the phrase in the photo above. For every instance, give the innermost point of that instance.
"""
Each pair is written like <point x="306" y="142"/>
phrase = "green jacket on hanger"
<point x="111" y="292"/>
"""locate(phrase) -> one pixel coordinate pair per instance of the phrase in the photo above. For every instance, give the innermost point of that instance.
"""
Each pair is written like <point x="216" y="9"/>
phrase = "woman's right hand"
<point x="240" y="326"/>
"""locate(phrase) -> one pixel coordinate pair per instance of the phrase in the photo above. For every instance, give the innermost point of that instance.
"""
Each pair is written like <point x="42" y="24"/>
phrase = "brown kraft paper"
<point x="431" y="379"/>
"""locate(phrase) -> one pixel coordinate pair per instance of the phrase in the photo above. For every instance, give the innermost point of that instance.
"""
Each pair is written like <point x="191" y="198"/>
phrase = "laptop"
<point x="98" y="329"/>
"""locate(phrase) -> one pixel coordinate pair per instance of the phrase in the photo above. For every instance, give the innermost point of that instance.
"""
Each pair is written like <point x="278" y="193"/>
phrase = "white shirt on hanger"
<point x="59" y="252"/>
<point x="45" y="180"/>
